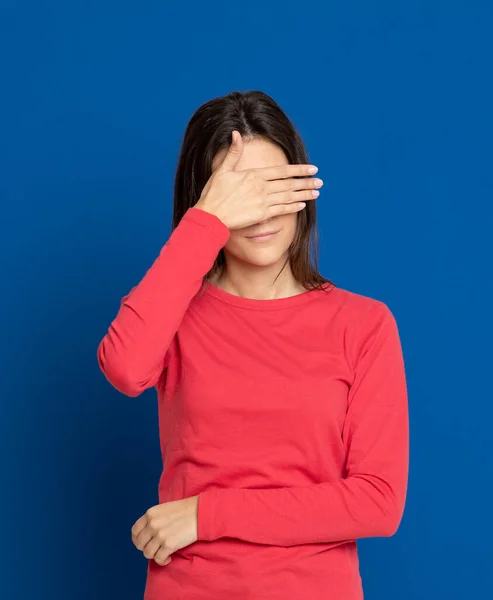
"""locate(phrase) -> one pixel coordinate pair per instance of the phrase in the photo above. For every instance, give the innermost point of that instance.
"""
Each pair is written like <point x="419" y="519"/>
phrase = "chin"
<point x="265" y="261"/>
<point x="263" y="257"/>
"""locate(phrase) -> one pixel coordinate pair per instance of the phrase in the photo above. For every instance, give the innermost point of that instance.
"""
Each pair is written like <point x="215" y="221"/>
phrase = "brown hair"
<point x="255" y="115"/>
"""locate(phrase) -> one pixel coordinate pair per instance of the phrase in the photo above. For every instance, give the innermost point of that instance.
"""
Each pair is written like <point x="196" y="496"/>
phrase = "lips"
<point x="262" y="234"/>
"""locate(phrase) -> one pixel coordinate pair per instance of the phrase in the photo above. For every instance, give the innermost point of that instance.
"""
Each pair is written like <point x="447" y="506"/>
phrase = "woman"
<point x="282" y="398"/>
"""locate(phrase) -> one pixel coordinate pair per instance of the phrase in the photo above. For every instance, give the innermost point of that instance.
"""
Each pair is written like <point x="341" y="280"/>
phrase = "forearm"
<point x="348" y="509"/>
<point x="133" y="352"/>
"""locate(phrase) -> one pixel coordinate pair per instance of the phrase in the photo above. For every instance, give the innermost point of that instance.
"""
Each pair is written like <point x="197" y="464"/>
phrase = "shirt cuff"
<point x="206" y="515"/>
<point x="209" y="221"/>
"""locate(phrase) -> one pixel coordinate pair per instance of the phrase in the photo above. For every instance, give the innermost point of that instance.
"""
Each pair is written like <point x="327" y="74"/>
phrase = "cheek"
<point x="288" y="224"/>
<point x="291" y="222"/>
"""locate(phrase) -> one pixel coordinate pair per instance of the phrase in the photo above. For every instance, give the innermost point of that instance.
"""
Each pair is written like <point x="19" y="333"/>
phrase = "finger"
<point x="293" y="184"/>
<point x="151" y="548"/>
<point x="285" y="209"/>
<point x="283" y="171"/>
<point x="233" y="155"/>
<point x="162" y="556"/>
<point x="289" y="197"/>
<point x="142" y="539"/>
<point x="139" y="525"/>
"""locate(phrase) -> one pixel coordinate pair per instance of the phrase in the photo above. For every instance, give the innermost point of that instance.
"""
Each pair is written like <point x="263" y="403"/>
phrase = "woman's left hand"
<point x="165" y="528"/>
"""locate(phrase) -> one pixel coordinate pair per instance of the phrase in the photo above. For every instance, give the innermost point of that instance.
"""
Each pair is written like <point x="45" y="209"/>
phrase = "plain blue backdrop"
<point x="394" y="101"/>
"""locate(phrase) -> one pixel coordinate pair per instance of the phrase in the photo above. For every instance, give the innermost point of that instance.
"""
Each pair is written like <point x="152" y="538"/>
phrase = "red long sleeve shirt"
<point x="288" y="417"/>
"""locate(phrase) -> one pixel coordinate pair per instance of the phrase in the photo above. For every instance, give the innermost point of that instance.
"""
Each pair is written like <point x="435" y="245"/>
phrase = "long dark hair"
<point x="255" y="115"/>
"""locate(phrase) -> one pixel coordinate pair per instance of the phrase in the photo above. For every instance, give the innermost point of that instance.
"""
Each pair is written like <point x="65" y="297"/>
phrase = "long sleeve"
<point x="135" y="350"/>
<point x="370" y="500"/>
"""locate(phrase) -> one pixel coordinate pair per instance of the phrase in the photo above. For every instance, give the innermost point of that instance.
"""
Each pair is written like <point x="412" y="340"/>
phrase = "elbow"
<point x="380" y="518"/>
<point x="382" y="506"/>
<point x="118" y="375"/>
<point x="125" y="385"/>
<point x="389" y="521"/>
<point x="122" y="382"/>
<point x="389" y="527"/>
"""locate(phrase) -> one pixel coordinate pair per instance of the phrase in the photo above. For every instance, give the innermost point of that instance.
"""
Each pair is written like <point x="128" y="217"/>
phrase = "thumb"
<point x="233" y="155"/>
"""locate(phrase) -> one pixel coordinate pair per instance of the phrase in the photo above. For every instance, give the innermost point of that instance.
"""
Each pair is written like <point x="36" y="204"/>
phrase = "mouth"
<point x="262" y="237"/>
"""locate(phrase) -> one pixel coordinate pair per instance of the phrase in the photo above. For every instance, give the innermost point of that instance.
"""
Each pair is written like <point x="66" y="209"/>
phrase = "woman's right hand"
<point x="243" y="198"/>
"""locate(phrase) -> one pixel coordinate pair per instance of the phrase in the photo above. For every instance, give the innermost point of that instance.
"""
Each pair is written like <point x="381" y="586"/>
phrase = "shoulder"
<point x="359" y="309"/>
<point x="365" y="321"/>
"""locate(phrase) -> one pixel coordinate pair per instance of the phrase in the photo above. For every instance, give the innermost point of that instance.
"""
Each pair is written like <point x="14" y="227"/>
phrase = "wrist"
<point x="201" y="205"/>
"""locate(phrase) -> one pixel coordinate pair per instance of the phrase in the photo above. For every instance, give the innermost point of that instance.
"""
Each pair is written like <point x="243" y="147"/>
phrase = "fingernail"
<point x="312" y="169"/>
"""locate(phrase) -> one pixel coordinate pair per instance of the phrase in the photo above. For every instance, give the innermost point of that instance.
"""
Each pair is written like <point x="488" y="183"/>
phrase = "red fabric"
<point x="288" y="417"/>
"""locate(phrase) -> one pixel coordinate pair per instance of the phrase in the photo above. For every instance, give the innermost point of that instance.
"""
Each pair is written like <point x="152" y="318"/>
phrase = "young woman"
<point x="282" y="398"/>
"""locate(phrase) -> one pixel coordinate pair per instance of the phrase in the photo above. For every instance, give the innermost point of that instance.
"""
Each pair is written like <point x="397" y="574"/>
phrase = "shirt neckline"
<point x="265" y="303"/>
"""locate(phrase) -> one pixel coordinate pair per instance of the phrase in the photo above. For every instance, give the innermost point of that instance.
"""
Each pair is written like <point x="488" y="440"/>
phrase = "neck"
<point x="258" y="282"/>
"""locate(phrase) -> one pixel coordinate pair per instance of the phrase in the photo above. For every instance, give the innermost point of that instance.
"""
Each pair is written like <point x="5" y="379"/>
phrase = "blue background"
<point x="394" y="101"/>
